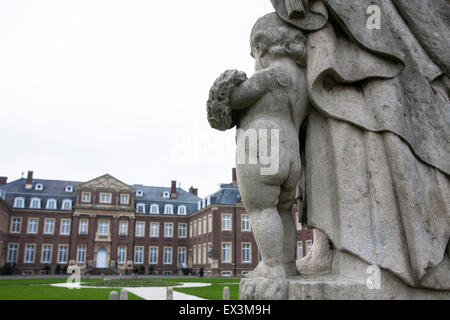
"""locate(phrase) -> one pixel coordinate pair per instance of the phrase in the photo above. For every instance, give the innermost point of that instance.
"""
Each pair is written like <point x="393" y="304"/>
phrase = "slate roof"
<point x="55" y="189"/>
<point x="228" y="194"/>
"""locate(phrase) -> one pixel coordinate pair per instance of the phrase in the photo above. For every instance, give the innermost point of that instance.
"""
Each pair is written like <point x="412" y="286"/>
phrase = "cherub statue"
<point x="274" y="100"/>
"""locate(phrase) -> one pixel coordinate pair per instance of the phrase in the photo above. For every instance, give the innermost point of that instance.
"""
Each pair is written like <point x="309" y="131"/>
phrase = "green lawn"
<point x="39" y="289"/>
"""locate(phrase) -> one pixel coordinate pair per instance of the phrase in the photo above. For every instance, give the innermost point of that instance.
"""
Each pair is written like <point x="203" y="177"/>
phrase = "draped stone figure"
<point x="375" y="149"/>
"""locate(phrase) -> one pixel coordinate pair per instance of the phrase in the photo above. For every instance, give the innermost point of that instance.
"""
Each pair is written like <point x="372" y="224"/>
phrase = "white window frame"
<point x="81" y="252"/>
<point x="63" y="226"/>
<point x="39" y="187"/>
<point x="153" y="255"/>
<point x="245" y="223"/>
<point x="13" y="224"/>
<point x="139" y="193"/>
<point x="21" y="200"/>
<point x="141" y="229"/>
<point x="309" y="244"/>
<point x="87" y="199"/>
<point x="152" y="229"/>
<point x="101" y="227"/>
<point x="29" y="225"/>
<point x="166" y="250"/>
<point x="124" y="195"/>
<point x="66" y="204"/>
<point x="182" y="226"/>
<point x="68" y="189"/>
<point x="48" y="205"/>
<point x="168" y="209"/>
<point x="141" y="249"/>
<point x="166" y="195"/>
<point x="140" y="206"/>
<point x="43" y="253"/>
<point x="182" y="210"/>
<point x="226" y="255"/>
<point x="66" y="253"/>
<point x="103" y="201"/>
<point x="123" y="228"/>
<point x="121" y="255"/>
<point x="154" y="208"/>
<point x="15" y="254"/>
<point x="249" y="249"/>
<point x="227" y="222"/>
<point x="52" y="225"/>
<point x="33" y="201"/>
<point x="181" y="252"/>
<point x="299" y="249"/>
<point x="80" y="228"/>
<point x="166" y="235"/>
<point x="25" y="256"/>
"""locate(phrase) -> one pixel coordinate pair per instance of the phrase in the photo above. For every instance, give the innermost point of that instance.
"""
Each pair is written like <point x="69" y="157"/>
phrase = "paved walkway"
<point x="153" y="293"/>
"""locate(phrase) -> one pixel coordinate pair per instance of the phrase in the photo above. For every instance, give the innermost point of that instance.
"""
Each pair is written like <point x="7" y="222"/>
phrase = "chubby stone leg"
<point x="319" y="258"/>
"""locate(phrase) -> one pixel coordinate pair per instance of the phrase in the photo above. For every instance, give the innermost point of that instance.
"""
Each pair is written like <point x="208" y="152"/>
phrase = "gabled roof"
<point x="106" y="181"/>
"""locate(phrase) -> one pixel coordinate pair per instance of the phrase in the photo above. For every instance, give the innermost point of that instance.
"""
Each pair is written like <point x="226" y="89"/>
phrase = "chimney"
<point x="173" y="190"/>
<point x="193" y="190"/>
<point x="3" y="180"/>
<point x="234" y="176"/>
<point x="29" y="183"/>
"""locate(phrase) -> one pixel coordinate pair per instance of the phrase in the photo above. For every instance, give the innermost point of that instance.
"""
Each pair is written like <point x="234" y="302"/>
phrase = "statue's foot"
<point x="264" y="283"/>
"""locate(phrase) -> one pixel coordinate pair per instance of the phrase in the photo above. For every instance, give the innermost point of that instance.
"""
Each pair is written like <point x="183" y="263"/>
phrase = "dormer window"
<point x="139" y="193"/>
<point x="182" y="210"/>
<point x="69" y="189"/>
<point x="168" y="209"/>
<point x="166" y="195"/>
<point x="154" y="208"/>
<point x="105" y="197"/>
<point x="67" y="204"/>
<point x="140" y="208"/>
<point x="39" y="187"/>
<point x="51" y="204"/>
<point x="35" y="203"/>
<point x="85" y="197"/>
<point x="19" y="202"/>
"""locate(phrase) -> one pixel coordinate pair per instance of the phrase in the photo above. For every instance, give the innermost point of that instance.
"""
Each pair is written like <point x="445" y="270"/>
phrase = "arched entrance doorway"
<point x="101" y="258"/>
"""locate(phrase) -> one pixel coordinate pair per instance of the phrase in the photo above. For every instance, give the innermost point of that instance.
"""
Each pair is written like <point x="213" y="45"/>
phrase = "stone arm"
<point x="251" y="90"/>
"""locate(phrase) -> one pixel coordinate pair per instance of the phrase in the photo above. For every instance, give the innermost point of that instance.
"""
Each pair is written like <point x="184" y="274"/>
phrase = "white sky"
<point x="89" y="87"/>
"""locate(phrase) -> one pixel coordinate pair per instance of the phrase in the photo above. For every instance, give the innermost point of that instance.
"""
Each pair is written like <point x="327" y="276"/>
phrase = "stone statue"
<point x="358" y="92"/>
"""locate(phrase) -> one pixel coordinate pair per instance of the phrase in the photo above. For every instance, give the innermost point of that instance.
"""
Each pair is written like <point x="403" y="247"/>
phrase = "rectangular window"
<point x="190" y="229"/>
<point x="15" y="225"/>
<point x="299" y="249"/>
<point x="195" y="228"/>
<point x="194" y="255"/>
<point x="32" y="225"/>
<point x="62" y="254"/>
<point x="182" y="257"/>
<point x="226" y="252"/>
<point x="46" y="253"/>
<point x="153" y="257"/>
<point x="168" y="255"/>
<point x="199" y="251"/>
<point x="204" y="254"/>
<point x="182" y="230"/>
<point x="103" y="228"/>
<point x="140" y="229"/>
<point x="124" y="199"/>
<point x="199" y="223"/>
<point x="204" y="225"/>
<point x="168" y="230"/>
<point x="85" y="197"/>
<point x="246" y="253"/>
<point x="226" y="273"/>
<point x="210" y="223"/>
<point x="154" y="229"/>
<point x="123" y="228"/>
<point x="83" y="226"/>
<point x="245" y="224"/>
<point x="29" y="253"/>
<point x="138" y="255"/>
<point x="12" y="253"/>
<point x="65" y="227"/>
<point x="308" y="246"/>
<point x="49" y="226"/>
<point x="121" y="256"/>
<point x="226" y="222"/>
<point x="105" y="197"/>
<point x="81" y="254"/>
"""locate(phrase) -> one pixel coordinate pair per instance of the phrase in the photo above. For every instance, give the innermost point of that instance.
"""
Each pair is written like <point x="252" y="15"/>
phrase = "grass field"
<point x="40" y="289"/>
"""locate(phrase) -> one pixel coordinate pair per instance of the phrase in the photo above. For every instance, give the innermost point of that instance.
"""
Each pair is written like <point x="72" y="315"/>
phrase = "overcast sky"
<point x="89" y="87"/>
